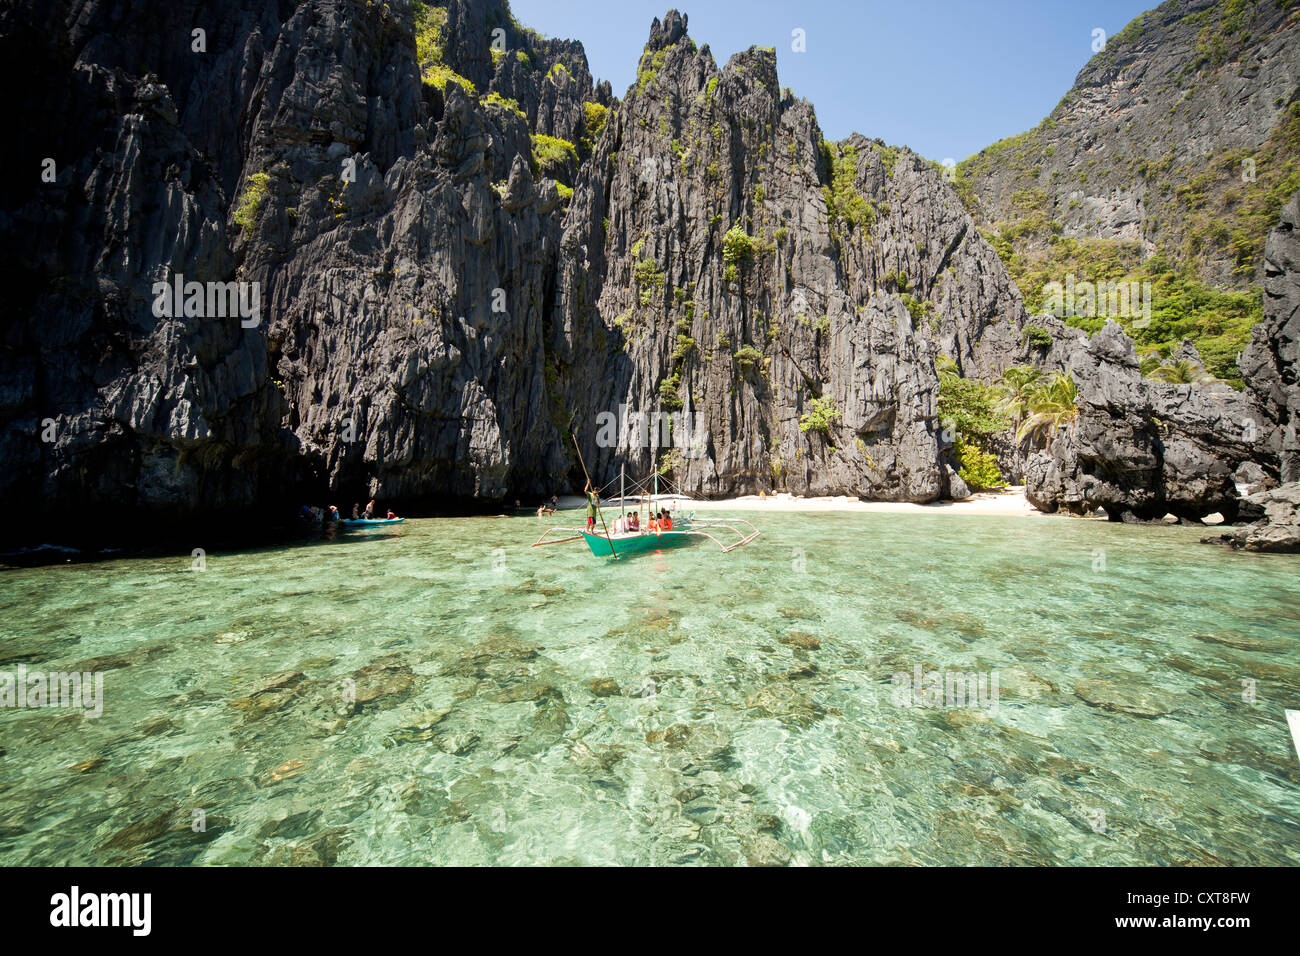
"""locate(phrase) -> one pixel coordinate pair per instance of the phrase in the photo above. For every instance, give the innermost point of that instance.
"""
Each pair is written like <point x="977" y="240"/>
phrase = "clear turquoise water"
<point x="476" y="737"/>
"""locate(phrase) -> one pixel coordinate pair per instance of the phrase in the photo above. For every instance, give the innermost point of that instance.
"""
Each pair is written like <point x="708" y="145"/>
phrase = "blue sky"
<point x="945" y="77"/>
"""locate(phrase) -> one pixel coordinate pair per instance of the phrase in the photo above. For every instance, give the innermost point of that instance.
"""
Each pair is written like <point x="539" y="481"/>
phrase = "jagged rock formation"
<point x="423" y="331"/>
<point x="1271" y="364"/>
<point x="1141" y="448"/>
<point x="704" y="269"/>
<point x="1271" y="367"/>
<point x="1148" y="146"/>
<point x="1278" y="530"/>
<point x="379" y="217"/>
<point x="1144" y="448"/>
<point x="435" y="309"/>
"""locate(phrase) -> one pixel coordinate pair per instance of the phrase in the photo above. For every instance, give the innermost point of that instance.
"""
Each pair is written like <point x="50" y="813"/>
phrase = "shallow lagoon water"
<point x="444" y="694"/>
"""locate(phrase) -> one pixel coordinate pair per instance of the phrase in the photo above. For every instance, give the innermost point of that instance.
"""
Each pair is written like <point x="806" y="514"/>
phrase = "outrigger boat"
<point x="685" y="530"/>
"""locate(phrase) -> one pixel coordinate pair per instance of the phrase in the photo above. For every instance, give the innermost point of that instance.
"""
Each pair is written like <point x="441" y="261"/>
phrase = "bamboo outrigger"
<point x="684" y="531"/>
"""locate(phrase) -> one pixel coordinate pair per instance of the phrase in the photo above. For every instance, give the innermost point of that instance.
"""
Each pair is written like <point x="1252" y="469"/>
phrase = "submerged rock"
<point x="387" y="683"/>
<point x="530" y="690"/>
<point x="1109" y="695"/>
<point x="780" y="700"/>
<point x="801" y="640"/>
<point x="421" y="727"/>
<point x="277" y="681"/>
<point x="763" y="849"/>
<point x="144" y="830"/>
<point x="1023" y="684"/>
<point x="266" y="703"/>
<point x="458" y="743"/>
<point x="604" y="687"/>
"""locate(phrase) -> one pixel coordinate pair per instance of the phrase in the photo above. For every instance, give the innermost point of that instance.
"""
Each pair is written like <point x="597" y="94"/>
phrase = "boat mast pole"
<point x="622" y="508"/>
<point x="597" y="493"/>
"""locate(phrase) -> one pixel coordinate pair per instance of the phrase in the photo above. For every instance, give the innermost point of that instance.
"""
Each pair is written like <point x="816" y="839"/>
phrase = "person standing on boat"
<point x="593" y="502"/>
<point x="370" y="509"/>
<point x="333" y="515"/>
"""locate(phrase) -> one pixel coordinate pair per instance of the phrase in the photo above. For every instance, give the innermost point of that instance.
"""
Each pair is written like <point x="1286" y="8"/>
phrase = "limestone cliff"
<point x="1180" y="136"/>
<point x="462" y="248"/>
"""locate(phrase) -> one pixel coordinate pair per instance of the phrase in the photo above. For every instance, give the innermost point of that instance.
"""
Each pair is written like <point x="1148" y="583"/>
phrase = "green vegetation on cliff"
<point x="250" y="204"/>
<point x="430" y="24"/>
<point x="845" y="205"/>
<point x="554" y="157"/>
<point x="1192" y="222"/>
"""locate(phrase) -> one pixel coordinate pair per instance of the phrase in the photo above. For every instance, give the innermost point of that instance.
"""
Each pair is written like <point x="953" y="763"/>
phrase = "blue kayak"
<point x="369" y="522"/>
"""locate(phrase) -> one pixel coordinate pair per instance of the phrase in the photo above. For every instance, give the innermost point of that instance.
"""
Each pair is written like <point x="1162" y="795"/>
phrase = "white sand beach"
<point x="1009" y="503"/>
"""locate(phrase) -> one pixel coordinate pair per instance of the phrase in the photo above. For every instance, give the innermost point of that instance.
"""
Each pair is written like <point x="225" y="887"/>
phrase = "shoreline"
<point x="1011" y="503"/>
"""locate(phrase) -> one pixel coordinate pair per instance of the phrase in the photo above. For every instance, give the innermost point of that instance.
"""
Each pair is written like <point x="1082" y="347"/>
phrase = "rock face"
<point x="429" y="324"/>
<point x="707" y="269"/>
<point x="1271" y="363"/>
<point x="1181" y="97"/>
<point x="435" y="311"/>
<point x="1279" y="528"/>
<point x="300" y="153"/>
<point x="1141" y="448"/>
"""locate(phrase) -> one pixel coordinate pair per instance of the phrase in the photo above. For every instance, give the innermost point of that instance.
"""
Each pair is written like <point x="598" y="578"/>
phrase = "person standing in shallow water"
<point x="593" y="502"/>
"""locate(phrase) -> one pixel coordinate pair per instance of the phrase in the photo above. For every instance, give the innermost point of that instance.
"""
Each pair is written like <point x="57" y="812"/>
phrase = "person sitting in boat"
<point x="391" y="516"/>
<point x="620" y="525"/>
<point x="356" y="511"/>
<point x="666" y="521"/>
<point x="593" y="502"/>
<point x="633" y="523"/>
<point x="654" y="523"/>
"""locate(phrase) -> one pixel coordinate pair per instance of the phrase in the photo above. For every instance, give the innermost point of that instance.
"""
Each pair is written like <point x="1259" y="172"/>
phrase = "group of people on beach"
<point x="315" y="515"/>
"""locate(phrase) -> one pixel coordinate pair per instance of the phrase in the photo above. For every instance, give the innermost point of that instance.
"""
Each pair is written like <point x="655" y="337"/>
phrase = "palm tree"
<point x="1017" y="387"/>
<point x="1054" y="404"/>
<point x="1182" y="372"/>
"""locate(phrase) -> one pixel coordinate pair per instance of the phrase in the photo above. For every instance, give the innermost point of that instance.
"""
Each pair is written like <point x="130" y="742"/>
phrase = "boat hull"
<point x="634" y="544"/>
<point x="369" y="522"/>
